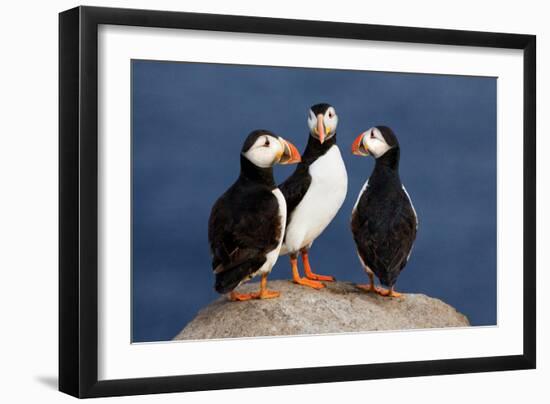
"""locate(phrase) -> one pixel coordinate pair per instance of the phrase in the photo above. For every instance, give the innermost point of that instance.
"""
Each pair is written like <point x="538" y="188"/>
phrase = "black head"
<point x="322" y="121"/>
<point x="389" y="136"/>
<point x="320" y="108"/>
<point x="376" y="141"/>
<point x="253" y="137"/>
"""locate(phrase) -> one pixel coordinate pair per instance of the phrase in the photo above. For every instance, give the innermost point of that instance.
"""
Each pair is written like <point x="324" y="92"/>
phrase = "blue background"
<point x="189" y="122"/>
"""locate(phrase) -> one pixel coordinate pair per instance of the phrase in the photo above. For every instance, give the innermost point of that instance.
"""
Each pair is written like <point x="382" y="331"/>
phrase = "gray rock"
<point x="340" y="307"/>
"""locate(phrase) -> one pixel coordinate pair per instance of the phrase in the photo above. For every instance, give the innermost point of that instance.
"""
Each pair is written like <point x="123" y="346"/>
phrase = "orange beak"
<point x="290" y="154"/>
<point x="358" y="148"/>
<point x="321" y="128"/>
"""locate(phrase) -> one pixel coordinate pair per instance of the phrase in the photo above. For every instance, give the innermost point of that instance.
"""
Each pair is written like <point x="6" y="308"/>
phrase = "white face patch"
<point x="330" y="120"/>
<point x="265" y="152"/>
<point x="374" y="142"/>
<point x="311" y="121"/>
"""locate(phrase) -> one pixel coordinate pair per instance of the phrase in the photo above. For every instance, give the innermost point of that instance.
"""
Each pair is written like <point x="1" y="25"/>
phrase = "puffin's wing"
<point x="241" y="232"/>
<point x="294" y="188"/>
<point x="401" y="238"/>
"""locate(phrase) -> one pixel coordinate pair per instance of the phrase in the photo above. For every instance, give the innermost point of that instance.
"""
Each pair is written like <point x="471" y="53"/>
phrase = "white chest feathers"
<point x="365" y="186"/>
<point x="273" y="255"/>
<point x="323" y="199"/>
<point x="282" y="212"/>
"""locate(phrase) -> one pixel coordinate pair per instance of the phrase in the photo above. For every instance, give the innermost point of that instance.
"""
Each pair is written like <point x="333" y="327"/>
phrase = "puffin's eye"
<point x="266" y="144"/>
<point x="372" y="135"/>
<point x="330" y="114"/>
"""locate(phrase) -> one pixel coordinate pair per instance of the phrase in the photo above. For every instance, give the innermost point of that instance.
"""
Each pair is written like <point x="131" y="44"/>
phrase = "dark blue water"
<point x="189" y="122"/>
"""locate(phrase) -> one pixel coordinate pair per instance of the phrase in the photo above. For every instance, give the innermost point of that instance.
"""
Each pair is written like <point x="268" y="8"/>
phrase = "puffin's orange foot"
<point x="241" y="297"/>
<point x="307" y="282"/>
<point x="269" y="294"/>
<point x="371" y="287"/>
<point x="390" y="293"/>
<point x="316" y="277"/>
<point x="264" y="294"/>
<point x="309" y="273"/>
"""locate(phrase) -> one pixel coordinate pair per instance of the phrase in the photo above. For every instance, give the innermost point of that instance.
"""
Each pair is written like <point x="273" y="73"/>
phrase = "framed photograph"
<point x="252" y="202"/>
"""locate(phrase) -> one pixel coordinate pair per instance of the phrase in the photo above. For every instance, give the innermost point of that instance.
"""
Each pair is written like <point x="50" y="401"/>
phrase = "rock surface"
<point x="340" y="307"/>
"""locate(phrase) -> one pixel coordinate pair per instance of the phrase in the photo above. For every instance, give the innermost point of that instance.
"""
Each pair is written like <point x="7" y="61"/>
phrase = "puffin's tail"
<point x="233" y="275"/>
<point x="389" y="277"/>
<point x="224" y="284"/>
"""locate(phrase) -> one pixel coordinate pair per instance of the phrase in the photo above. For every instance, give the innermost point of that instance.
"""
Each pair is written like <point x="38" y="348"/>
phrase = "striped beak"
<point x="290" y="153"/>
<point x="321" y="128"/>
<point x="358" y="148"/>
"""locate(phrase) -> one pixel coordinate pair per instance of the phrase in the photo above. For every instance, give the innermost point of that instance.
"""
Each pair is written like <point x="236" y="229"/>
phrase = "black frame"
<point x="78" y="176"/>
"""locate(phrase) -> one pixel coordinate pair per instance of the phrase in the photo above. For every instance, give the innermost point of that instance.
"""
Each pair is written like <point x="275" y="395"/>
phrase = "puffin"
<point x="247" y="223"/>
<point x="314" y="192"/>
<point x="383" y="221"/>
